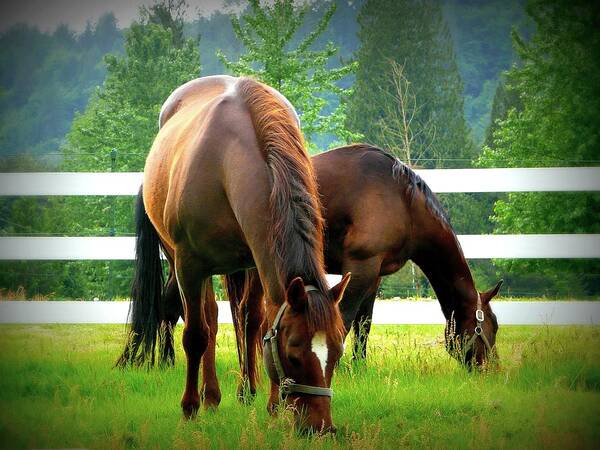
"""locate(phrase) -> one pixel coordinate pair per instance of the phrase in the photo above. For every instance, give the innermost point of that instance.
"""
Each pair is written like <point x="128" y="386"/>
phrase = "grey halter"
<point x="286" y="384"/>
<point x="478" y="332"/>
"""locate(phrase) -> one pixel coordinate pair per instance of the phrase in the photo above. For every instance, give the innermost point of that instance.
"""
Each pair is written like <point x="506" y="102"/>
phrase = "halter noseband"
<point x="286" y="384"/>
<point x="478" y="332"/>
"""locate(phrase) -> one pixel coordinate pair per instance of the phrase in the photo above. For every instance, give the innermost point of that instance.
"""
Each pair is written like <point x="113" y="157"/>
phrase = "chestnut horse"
<point x="379" y="214"/>
<point x="228" y="186"/>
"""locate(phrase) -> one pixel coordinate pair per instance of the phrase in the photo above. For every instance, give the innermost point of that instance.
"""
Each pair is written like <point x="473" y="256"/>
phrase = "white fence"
<point x="500" y="246"/>
<point x="386" y="312"/>
<point x="571" y="179"/>
<point x="440" y="180"/>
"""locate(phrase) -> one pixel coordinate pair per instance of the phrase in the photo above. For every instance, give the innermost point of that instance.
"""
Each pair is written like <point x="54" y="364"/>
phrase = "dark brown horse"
<point x="228" y="186"/>
<point x="379" y="214"/>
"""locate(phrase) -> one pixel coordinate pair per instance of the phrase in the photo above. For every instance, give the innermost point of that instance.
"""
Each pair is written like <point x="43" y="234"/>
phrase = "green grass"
<point x="57" y="390"/>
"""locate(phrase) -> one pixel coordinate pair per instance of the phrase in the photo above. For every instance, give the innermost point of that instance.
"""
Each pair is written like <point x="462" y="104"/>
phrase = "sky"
<point x="47" y="14"/>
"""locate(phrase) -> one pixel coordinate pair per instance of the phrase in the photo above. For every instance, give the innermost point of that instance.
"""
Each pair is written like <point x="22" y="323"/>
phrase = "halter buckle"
<point x="479" y="315"/>
<point x="272" y="333"/>
<point x="285" y="387"/>
<point x="478" y="330"/>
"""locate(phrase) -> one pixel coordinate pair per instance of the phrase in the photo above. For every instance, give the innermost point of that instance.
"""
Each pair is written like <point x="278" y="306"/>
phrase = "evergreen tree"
<point x="552" y="118"/>
<point x="300" y="72"/>
<point x="413" y="34"/>
<point x="46" y="78"/>
<point x="481" y="34"/>
<point x="504" y="100"/>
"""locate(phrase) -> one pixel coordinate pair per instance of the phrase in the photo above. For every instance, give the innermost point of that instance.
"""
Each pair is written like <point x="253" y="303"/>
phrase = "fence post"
<point x="112" y="230"/>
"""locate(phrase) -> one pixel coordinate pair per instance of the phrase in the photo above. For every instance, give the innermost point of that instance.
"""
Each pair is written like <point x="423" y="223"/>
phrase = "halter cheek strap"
<point x="478" y="332"/>
<point x="286" y="384"/>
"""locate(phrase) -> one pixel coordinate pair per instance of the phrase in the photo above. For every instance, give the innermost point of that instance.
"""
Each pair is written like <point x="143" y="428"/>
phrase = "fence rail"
<point x="385" y="312"/>
<point x="440" y="180"/>
<point x="516" y="246"/>
<point x="572" y="179"/>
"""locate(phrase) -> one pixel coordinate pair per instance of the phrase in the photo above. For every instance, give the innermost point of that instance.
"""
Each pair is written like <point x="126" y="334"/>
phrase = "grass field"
<point x="58" y="390"/>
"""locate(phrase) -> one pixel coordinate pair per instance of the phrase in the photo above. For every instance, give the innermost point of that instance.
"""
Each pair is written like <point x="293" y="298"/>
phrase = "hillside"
<point x="45" y="79"/>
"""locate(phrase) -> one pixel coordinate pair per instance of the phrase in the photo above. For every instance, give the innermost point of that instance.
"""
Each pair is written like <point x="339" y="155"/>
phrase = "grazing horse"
<point x="228" y="186"/>
<point x="379" y="214"/>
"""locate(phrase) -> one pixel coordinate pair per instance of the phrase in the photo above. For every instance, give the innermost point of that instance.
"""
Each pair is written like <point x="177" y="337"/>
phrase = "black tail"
<point x="146" y="293"/>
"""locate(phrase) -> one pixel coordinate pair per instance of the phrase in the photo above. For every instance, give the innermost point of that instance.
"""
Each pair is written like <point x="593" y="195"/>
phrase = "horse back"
<point x="199" y="172"/>
<point x="201" y="122"/>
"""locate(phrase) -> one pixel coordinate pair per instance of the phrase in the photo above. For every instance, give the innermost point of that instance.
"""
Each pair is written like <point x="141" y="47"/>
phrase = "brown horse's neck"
<point x="296" y="231"/>
<point x="441" y="258"/>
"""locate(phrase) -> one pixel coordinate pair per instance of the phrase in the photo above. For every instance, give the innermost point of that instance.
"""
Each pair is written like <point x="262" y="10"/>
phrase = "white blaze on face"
<point x="319" y="348"/>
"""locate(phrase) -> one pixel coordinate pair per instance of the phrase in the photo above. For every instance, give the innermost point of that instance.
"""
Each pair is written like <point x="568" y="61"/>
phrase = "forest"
<point x="487" y="84"/>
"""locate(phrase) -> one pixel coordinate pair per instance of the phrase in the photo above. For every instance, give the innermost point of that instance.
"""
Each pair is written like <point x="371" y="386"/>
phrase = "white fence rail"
<point x="385" y="312"/>
<point x="439" y="180"/>
<point x="474" y="246"/>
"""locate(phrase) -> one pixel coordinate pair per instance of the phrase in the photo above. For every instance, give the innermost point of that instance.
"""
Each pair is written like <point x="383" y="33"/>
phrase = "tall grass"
<point x="58" y="389"/>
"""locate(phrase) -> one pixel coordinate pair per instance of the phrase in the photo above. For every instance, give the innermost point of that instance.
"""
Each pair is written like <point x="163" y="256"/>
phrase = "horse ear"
<point x="487" y="296"/>
<point x="296" y="295"/>
<point x="337" y="291"/>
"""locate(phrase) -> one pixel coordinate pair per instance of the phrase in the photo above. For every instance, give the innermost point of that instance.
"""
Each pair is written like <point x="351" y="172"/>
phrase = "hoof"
<point x="272" y="408"/>
<point x="190" y="407"/>
<point x="166" y="361"/>
<point x="211" y="399"/>
<point x="245" y="394"/>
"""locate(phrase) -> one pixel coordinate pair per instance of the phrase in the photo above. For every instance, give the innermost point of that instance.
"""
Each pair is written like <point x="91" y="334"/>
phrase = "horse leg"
<point x="362" y="323"/>
<point x="273" y="402"/>
<point x="245" y="292"/>
<point x="192" y="286"/>
<point x="364" y="276"/>
<point x="173" y="309"/>
<point x="235" y="284"/>
<point x="253" y="314"/>
<point x="210" y="384"/>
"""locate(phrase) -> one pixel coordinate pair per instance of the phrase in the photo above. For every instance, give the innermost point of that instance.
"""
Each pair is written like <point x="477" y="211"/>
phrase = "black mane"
<point x="414" y="182"/>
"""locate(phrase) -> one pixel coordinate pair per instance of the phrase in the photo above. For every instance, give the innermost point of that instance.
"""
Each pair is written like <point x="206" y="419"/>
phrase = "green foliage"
<point x="551" y="118"/>
<point x="57" y="73"/>
<point x="122" y="116"/>
<point x="124" y="113"/>
<point x="413" y="34"/>
<point x="302" y="74"/>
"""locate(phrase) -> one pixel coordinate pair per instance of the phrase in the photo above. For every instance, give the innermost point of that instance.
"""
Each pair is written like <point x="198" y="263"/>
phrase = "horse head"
<point x="471" y="332"/>
<point x="302" y="349"/>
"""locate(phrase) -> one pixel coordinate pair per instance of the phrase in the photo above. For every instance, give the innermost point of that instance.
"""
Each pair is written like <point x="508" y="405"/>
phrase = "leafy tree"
<point x="302" y="73"/>
<point x="168" y="14"/>
<point x="553" y="120"/>
<point x="414" y="35"/>
<point x="122" y="115"/>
